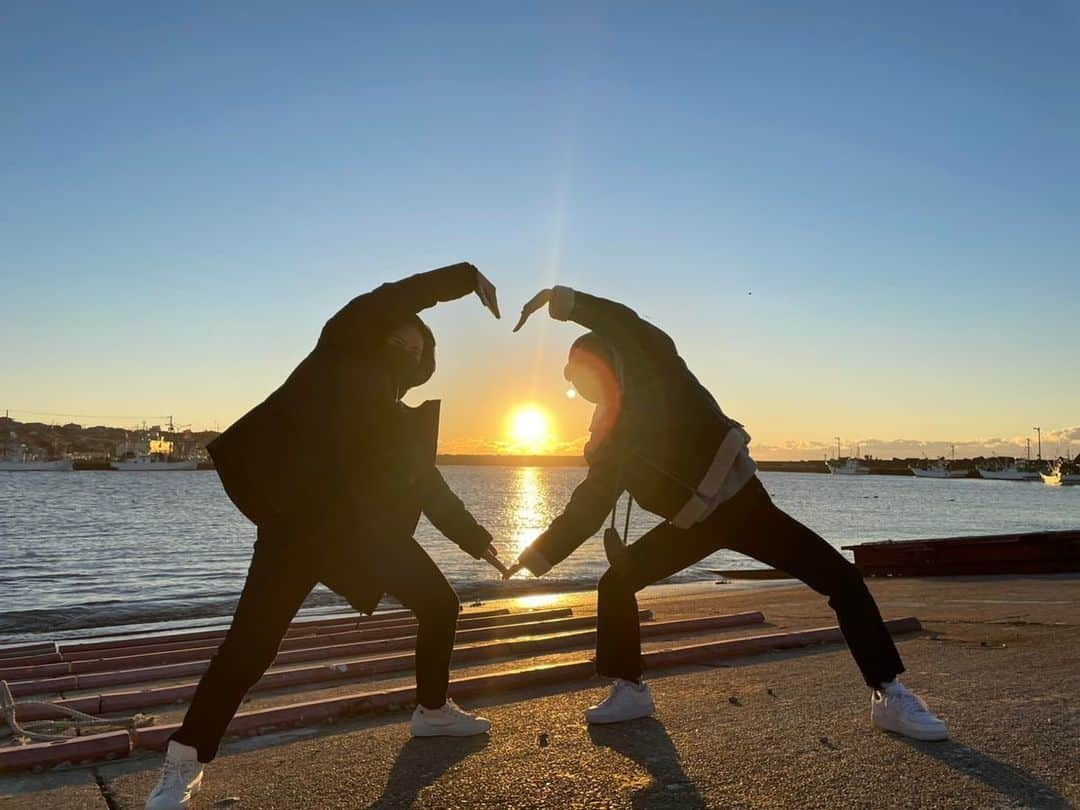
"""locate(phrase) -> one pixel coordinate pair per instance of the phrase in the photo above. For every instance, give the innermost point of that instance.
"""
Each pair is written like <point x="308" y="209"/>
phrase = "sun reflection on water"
<point x="527" y="508"/>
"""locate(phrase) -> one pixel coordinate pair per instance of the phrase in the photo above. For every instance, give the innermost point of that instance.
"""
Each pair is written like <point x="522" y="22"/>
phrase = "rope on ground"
<point x="74" y="717"/>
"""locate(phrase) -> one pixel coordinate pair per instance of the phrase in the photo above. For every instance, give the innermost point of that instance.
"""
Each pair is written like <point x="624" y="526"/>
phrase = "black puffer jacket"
<point x="660" y="443"/>
<point x="334" y="447"/>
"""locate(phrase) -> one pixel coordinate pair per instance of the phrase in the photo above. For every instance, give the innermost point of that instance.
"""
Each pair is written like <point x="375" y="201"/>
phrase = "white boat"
<point x="848" y="466"/>
<point x="1008" y="470"/>
<point x="154" y="455"/>
<point x="938" y="469"/>
<point x="20" y="459"/>
<point x="150" y="463"/>
<point x="31" y="465"/>
<point x="1063" y="473"/>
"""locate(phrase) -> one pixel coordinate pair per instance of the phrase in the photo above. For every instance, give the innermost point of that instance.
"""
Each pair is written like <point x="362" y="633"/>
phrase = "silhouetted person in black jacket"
<point x="659" y="434"/>
<point x="335" y="471"/>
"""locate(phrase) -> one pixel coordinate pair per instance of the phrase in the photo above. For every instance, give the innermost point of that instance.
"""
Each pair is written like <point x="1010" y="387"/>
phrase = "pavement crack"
<point x="106" y="791"/>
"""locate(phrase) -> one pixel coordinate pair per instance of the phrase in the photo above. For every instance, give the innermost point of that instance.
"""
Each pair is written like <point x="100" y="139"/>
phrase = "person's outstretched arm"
<point x="448" y="514"/>
<point x="388" y="304"/>
<point x="608" y="318"/>
<point x="584" y="515"/>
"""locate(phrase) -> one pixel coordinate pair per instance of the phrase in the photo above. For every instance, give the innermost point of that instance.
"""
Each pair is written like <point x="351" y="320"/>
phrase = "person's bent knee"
<point x="847" y="583"/>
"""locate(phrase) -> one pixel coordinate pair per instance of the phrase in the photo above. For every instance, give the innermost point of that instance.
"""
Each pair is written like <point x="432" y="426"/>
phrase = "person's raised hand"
<point x="536" y="302"/>
<point x="485" y="291"/>
<point x="513" y="569"/>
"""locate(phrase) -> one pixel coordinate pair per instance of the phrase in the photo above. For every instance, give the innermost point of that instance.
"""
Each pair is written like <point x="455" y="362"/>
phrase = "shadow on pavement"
<point x="421" y="762"/>
<point x="1019" y="786"/>
<point x="647" y="743"/>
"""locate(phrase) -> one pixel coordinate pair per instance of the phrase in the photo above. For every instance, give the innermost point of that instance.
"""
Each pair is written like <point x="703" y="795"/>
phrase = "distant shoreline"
<point x="491" y="460"/>
<point x="91" y="448"/>
<point x="878" y="467"/>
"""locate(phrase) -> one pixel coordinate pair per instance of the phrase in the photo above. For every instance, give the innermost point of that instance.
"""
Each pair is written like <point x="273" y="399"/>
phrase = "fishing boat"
<point x="154" y="455"/>
<point x="848" y="466"/>
<point x="32" y="465"/>
<point x="938" y="469"/>
<point x="20" y="459"/>
<point x="1008" y="469"/>
<point x="150" y="463"/>
<point x="1063" y="473"/>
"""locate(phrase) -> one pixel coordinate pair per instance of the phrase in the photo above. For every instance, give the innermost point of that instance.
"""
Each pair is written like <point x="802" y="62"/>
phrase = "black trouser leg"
<point x="751" y="524"/>
<point x="661" y="552"/>
<point x="277" y="582"/>
<point x="618" y="632"/>
<point x="777" y="539"/>
<point x="414" y="579"/>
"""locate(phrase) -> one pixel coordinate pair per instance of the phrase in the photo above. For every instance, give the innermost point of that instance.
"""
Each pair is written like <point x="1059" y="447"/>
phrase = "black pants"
<point x="751" y="524"/>
<point x="280" y="577"/>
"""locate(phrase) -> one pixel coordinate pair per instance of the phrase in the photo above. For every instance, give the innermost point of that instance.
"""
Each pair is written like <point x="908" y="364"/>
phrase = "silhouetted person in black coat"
<point x="335" y="471"/>
<point x="658" y="434"/>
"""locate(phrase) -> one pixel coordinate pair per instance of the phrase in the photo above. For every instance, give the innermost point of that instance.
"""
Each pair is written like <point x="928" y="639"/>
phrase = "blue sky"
<point x="190" y="192"/>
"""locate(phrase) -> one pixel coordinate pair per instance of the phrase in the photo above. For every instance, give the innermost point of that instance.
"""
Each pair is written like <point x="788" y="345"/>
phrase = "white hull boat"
<point x="57" y="465"/>
<point x="851" y="466"/>
<point x="151" y="464"/>
<point x="937" y="472"/>
<point x="1010" y="473"/>
<point x="938" y="469"/>
<point x="1063" y="474"/>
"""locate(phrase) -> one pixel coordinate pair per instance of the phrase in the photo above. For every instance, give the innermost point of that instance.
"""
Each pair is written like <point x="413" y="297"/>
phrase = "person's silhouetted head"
<point x="591" y="369"/>
<point x="408" y="353"/>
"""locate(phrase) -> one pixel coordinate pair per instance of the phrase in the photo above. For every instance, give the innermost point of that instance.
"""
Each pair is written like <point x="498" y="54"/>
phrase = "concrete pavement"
<point x="999" y="661"/>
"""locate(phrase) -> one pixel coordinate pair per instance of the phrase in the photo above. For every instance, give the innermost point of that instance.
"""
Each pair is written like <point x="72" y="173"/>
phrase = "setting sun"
<point x="530" y="429"/>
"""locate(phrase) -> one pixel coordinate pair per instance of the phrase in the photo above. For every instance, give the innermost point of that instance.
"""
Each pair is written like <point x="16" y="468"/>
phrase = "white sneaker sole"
<point x="915" y="734"/>
<point x="431" y="732"/>
<point x="607" y="721"/>
<point x="194" y="792"/>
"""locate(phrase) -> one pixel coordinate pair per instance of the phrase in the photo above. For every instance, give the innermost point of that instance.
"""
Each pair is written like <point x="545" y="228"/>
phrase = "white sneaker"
<point x="181" y="779"/>
<point x="896" y="709"/>
<point x="627" y="701"/>
<point x="450" y="720"/>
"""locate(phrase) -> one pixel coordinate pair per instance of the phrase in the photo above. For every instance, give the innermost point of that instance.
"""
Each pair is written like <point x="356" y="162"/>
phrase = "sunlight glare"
<point x="527" y="513"/>
<point x="540" y="600"/>
<point x="530" y="429"/>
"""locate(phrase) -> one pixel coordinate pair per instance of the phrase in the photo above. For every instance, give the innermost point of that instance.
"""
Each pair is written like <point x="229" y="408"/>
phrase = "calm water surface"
<point x="110" y="550"/>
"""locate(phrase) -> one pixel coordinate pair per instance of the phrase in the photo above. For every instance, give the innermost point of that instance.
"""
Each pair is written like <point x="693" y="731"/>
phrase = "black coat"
<point x="333" y="450"/>
<point x="663" y="436"/>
